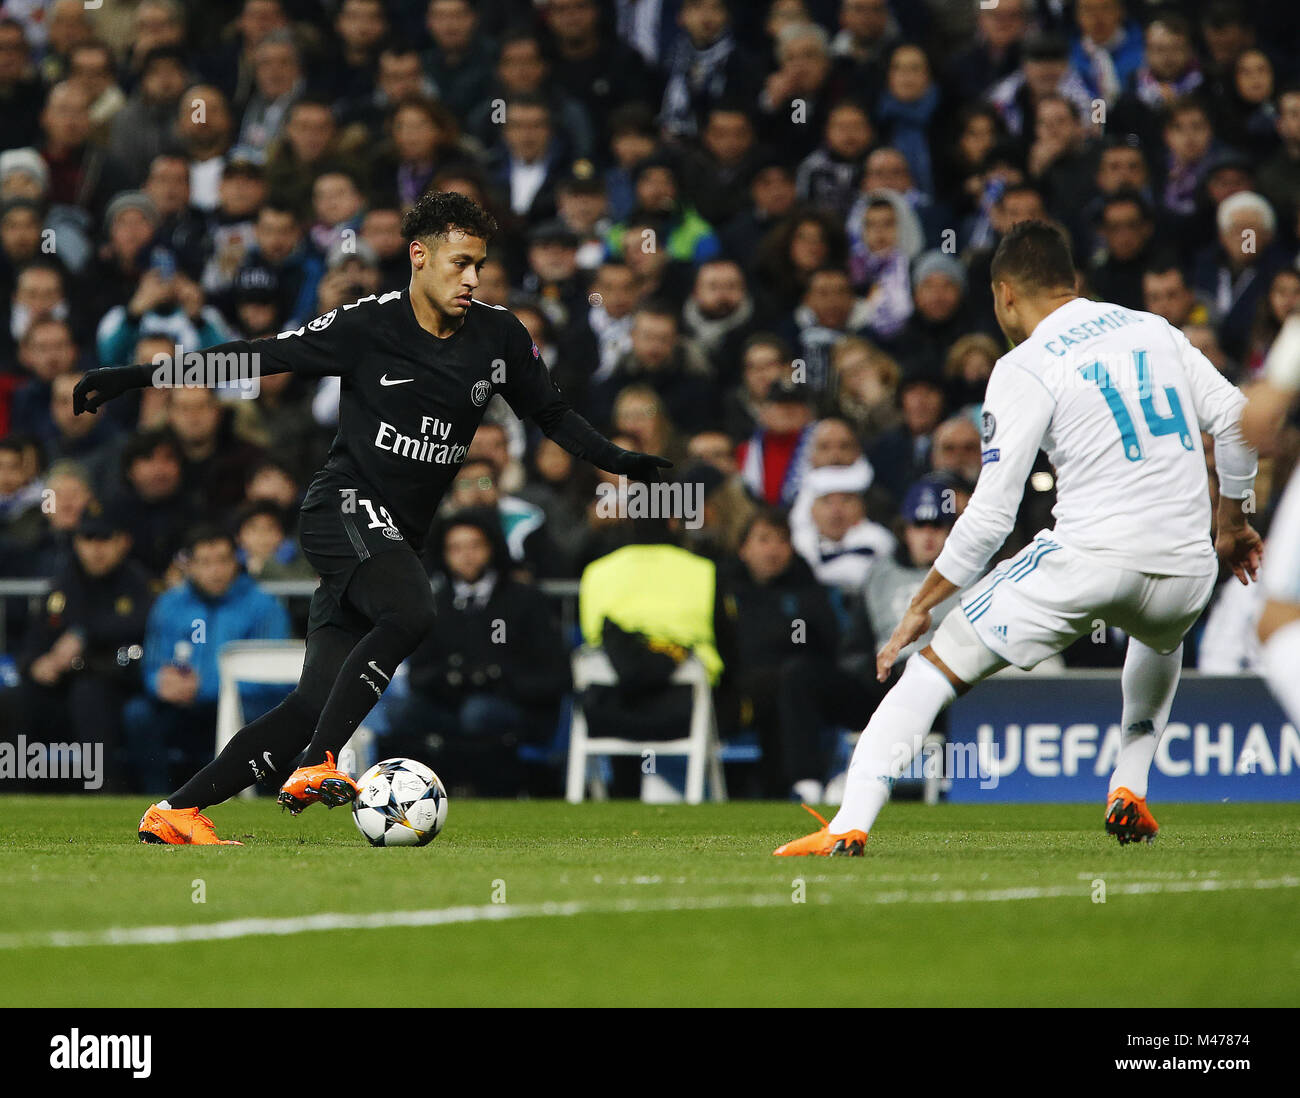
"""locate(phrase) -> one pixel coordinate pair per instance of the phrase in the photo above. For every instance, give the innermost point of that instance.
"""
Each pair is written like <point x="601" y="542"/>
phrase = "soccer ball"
<point x="401" y="803"/>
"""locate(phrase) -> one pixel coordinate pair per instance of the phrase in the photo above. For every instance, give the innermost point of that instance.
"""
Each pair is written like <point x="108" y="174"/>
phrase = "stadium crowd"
<point x="751" y="235"/>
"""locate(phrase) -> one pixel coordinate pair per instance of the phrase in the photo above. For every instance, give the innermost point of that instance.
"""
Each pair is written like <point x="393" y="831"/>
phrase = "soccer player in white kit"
<point x="1118" y="399"/>
<point x="1279" y="623"/>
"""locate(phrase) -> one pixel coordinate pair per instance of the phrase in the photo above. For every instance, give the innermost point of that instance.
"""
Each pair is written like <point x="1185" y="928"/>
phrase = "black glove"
<point x="637" y="466"/>
<point x="100" y="386"/>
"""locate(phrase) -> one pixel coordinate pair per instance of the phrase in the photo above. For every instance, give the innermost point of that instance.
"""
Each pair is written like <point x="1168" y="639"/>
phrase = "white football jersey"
<point x="1118" y="399"/>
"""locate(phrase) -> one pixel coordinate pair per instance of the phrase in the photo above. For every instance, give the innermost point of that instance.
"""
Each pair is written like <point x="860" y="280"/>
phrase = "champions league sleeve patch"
<point x="988" y="427"/>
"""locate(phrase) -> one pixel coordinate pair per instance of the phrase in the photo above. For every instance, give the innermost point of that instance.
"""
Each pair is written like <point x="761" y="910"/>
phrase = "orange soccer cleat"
<point x="1127" y="818"/>
<point x="851" y="844"/>
<point x="180" y="827"/>
<point x="323" y="782"/>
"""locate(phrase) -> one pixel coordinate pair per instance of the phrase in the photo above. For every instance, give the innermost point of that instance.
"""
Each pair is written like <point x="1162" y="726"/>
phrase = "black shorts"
<point x="339" y="528"/>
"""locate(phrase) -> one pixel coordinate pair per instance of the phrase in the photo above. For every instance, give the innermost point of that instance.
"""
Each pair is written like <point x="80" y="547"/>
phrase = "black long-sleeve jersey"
<point x="411" y="401"/>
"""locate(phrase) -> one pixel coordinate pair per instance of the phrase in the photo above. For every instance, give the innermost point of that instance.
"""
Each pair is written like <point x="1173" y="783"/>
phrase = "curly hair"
<point x="436" y="213"/>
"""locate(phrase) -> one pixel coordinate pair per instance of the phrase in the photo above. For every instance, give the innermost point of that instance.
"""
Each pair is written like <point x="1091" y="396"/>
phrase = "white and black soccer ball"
<point x="401" y="802"/>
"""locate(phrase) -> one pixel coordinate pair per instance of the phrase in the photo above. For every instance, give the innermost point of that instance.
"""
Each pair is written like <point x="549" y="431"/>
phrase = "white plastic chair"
<point x="262" y="662"/>
<point x="591" y="667"/>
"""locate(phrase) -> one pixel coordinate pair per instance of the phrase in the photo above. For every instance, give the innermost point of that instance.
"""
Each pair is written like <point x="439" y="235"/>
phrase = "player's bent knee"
<point x="411" y="622"/>
<point x="958" y="652"/>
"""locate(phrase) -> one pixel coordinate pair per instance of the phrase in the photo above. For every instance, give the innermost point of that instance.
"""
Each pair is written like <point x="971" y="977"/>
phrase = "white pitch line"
<point x="382" y="920"/>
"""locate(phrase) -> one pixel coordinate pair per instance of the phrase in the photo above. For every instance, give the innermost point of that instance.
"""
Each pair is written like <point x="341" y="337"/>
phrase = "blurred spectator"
<point x="170" y="727"/>
<point x="1127" y="227"/>
<point x="906" y="111"/>
<point x="21" y="494"/>
<point x="150" y="498"/>
<point x="278" y="80"/>
<point x="215" y="461"/>
<point x="995" y="53"/>
<point x="706" y="66"/>
<point x="489" y="679"/>
<point x="902" y="454"/>
<point x="267" y="548"/>
<point x="1166" y="293"/>
<point x="764" y="360"/>
<point x="21" y="94"/>
<point x="842" y="544"/>
<point x="1045" y="69"/>
<point x="886" y="237"/>
<point x="80" y="660"/>
<point x="1279" y="175"/>
<point x="719" y="316"/>
<point x="786" y="632"/>
<point x="181" y="229"/>
<point x="523" y="70"/>
<point x="206" y="131"/>
<point x="659" y="358"/>
<point x="1108" y="49"/>
<point x="46" y="351"/>
<point x="1234" y="273"/>
<point x="967" y="368"/>
<point x="772" y="197"/>
<point x="866" y="380"/>
<point x="718" y="172"/>
<point x="460" y="60"/>
<point x="523" y="524"/>
<point x="603" y="73"/>
<point x="939" y="317"/>
<point x="829" y="177"/>
<point x="81" y="173"/>
<point x="1170" y="70"/>
<point x="956" y="449"/>
<point x="774" y="459"/>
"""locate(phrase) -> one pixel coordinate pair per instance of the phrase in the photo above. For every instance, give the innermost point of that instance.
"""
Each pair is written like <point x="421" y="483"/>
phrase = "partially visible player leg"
<point x="265" y="750"/>
<point x="1281" y="661"/>
<point x="1279" y="624"/>
<point x="392" y="591"/>
<point x="1156" y="612"/>
<point x="896" y="731"/>
<point x="1149" y="682"/>
<point x="262" y="750"/>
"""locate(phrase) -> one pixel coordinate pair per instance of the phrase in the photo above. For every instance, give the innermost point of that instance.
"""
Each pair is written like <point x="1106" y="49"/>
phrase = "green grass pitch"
<point x="628" y="904"/>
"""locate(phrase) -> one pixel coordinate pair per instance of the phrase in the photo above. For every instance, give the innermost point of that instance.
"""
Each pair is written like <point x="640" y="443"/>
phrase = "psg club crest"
<point x="481" y="393"/>
<point x="323" y="322"/>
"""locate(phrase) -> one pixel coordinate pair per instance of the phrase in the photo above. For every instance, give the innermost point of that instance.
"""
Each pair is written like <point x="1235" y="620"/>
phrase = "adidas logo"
<point x="1000" y="631"/>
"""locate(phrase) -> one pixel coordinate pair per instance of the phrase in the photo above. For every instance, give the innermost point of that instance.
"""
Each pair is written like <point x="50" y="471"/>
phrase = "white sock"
<point x="1281" y="667"/>
<point x="890" y="742"/>
<point x="1149" y="682"/>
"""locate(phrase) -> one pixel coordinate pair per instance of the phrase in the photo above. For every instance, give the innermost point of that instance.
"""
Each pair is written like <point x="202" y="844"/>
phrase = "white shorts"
<point x="1280" y="577"/>
<point x="1048" y="596"/>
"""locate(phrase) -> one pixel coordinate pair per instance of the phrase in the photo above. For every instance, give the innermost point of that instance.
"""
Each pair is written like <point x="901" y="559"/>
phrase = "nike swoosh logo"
<point x="395" y="381"/>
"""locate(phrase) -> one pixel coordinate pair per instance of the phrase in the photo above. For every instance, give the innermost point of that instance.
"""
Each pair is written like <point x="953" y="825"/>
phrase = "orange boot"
<point x="323" y="782"/>
<point x="180" y="827"/>
<point x="851" y="844"/>
<point x="1127" y="818"/>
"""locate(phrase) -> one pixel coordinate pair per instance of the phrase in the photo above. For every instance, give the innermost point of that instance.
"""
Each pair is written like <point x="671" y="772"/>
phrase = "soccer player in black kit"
<point x="418" y="366"/>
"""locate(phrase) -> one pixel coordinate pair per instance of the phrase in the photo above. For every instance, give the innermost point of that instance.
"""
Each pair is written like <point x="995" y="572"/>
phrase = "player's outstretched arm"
<point x="100" y="386"/>
<point x="565" y="427"/>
